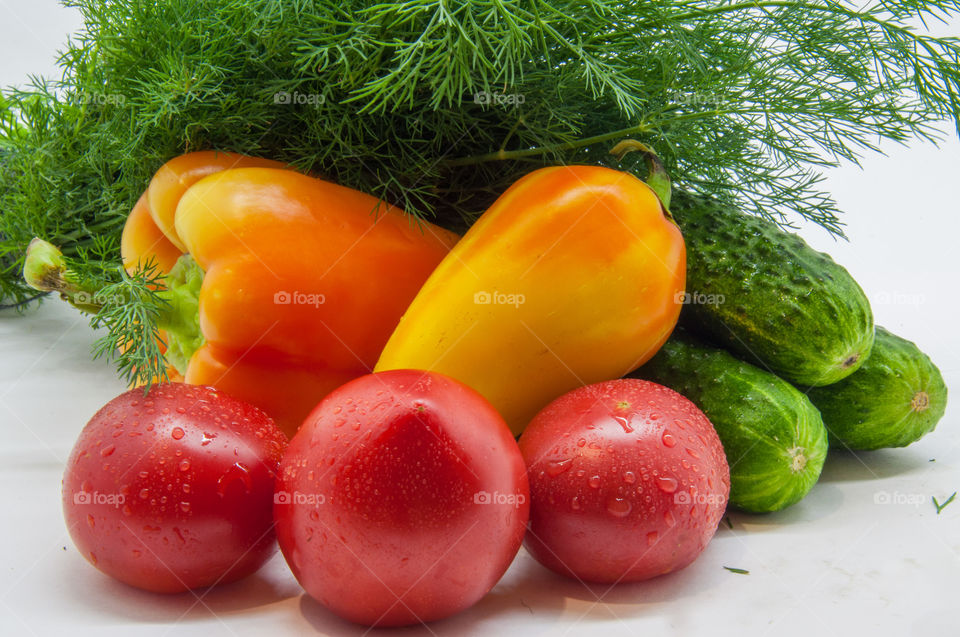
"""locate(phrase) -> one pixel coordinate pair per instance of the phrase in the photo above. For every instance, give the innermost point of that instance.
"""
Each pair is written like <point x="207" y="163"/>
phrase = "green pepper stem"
<point x="45" y="269"/>
<point x="177" y="312"/>
<point x="657" y="177"/>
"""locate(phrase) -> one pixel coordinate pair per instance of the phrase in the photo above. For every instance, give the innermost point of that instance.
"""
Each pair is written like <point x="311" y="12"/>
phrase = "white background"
<point x="838" y="563"/>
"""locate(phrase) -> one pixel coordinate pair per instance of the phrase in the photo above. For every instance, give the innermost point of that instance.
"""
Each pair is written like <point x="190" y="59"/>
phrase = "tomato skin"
<point x="380" y="508"/>
<point x="628" y="481"/>
<point x="174" y="490"/>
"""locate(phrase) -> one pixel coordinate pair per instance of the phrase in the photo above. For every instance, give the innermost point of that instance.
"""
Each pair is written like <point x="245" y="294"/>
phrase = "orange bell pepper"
<point x="570" y="278"/>
<point x="302" y="280"/>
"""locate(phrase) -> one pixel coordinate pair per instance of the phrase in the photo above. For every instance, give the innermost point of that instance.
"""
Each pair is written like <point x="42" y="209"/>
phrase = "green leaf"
<point x="939" y="506"/>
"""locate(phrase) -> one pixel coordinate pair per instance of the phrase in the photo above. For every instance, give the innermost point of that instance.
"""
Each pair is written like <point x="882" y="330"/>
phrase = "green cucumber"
<point x="770" y="298"/>
<point x="894" y="399"/>
<point x="773" y="437"/>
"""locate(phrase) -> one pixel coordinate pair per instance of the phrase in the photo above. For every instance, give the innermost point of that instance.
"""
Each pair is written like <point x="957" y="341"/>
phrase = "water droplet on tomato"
<point x="93" y="558"/>
<point x="108" y="450"/>
<point x="144" y="494"/>
<point x="581" y="442"/>
<point x="629" y="477"/>
<point x="184" y="465"/>
<point x="668" y="439"/>
<point x="177" y="433"/>
<point x="575" y="503"/>
<point x="652" y="538"/>
<point x="207" y="439"/>
<point x="619" y="507"/>
<point x="556" y="467"/>
<point x="185" y="507"/>
<point x="594" y="482"/>
<point x="668" y="519"/>
<point x="127" y="510"/>
<point x="667" y="484"/>
<point x="623" y="422"/>
<point x="692" y="452"/>
<point x="136" y="553"/>
<point x="314" y="515"/>
<point x="238" y="472"/>
<point x="91" y="521"/>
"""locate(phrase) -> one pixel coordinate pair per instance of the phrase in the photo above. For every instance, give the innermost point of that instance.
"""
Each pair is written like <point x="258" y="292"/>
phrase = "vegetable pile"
<point x="660" y="353"/>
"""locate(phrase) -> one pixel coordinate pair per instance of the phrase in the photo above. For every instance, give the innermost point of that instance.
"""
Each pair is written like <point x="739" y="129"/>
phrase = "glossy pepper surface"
<point x="292" y="284"/>
<point x="573" y="276"/>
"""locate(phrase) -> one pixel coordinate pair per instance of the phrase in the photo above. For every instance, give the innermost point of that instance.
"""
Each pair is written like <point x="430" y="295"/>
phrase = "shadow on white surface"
<point x="109" y="597"/>
<point x="822" y="502"/>
<point x="847" y="466"/>
<point x="540" y="601"/>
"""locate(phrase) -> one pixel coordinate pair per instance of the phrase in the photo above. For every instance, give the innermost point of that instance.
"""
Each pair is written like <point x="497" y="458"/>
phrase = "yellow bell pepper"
<point x="571" y="277"/>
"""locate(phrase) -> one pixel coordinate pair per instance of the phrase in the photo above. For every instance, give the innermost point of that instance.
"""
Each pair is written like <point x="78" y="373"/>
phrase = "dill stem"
<point x="542" y="150"/>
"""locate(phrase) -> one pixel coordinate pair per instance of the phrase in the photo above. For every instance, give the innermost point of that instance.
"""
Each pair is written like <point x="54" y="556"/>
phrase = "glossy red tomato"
<point x="401" y="499"/>
<point x="174" y="490"/>
<point x="627" y="481"/>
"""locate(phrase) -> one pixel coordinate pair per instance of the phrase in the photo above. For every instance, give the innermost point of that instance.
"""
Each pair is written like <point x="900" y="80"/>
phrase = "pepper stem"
<point x="657" y="177"/>
<point x="45" y="269"/>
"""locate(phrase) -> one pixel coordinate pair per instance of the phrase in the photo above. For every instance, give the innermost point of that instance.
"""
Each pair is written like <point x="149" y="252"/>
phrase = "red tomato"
<point x="174" y="490"/>
<point x="402" y="499"/>
<point x="627" y="481"/>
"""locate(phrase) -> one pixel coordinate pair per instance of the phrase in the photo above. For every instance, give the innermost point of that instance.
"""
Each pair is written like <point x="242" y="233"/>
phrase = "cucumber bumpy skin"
<point x="893" y="400"/>
<point x="770" y="298"/>
<point x="773" y="437"/>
